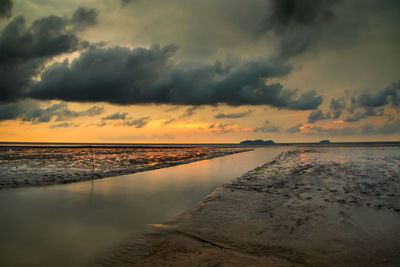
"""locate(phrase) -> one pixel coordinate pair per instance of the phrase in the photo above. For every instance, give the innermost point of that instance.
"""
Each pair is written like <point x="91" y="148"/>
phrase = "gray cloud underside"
<point x="293" y="26"/>
<point x="83" y="18"/>
<point x="318" y="115"/>
<point x="221" y="128"/>
<point x="125" y="2"/>
<point x="295" y="129"/>
<point x="25" y="49"/>
<point x="5" y="8"/>
<point x="298" y="24"/>
<point x="361" y="106"/>
<point x="138" y="123"/>
<point x="267" y="128"/>
<point x="116" y="116"/>
<point x="366" y="112"/>
<point x="123" y="76"/>
<point x="387" y="96"/>
<point x="370" y="104"/>
<point x="190" y="111"/>
<point x="337" y="107"/>
<point x="63" y="125"/>
<point x="32" y="112"/>
<point x="127" y="121"/>
<point x="366" y="129"/>
<point x="233" y="115"/>
<point x="169" y="121"/>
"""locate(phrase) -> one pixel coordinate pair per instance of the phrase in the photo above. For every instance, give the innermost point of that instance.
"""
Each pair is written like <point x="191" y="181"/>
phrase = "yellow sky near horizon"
<point x="223" y="52"/>
<point x="172" y="124"/>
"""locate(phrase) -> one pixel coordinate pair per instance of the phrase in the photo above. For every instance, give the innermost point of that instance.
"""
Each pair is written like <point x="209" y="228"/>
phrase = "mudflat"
<point x="315" y="206"/>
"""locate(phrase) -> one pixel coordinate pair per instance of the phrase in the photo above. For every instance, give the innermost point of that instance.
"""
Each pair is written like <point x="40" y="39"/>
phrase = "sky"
<point x="189" y="71"/>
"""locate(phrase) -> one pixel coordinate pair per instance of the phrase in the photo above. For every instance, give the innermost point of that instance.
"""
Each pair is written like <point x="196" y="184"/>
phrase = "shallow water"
<point x="70" y="225"/>
<point x="33" y="165"/>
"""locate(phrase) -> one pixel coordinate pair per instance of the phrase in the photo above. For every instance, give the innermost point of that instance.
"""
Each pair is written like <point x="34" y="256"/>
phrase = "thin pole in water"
<point x="92" y="159"/>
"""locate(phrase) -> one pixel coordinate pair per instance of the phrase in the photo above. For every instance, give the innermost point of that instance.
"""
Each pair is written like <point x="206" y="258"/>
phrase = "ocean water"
<point x="30" y="164"/>
<point x="72" y="224"/>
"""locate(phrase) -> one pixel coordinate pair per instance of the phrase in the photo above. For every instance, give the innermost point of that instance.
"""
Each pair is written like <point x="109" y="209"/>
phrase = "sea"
<point x="56" y="211"/>
<point x="35" y="164"/>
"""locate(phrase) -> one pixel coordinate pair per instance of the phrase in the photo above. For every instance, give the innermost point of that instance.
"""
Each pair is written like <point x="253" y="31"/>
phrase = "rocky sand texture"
<point x="319" y="207"/>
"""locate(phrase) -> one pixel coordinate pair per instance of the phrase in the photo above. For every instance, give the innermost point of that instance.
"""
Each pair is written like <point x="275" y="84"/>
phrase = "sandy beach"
<point x="314" y="206"/>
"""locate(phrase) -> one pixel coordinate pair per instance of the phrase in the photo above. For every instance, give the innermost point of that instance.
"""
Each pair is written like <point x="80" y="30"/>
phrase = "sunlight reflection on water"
<point x="27" y="165"/>
<point x="68" y="225"/>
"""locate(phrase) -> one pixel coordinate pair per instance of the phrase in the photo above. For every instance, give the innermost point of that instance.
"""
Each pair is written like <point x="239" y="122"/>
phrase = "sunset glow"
<point x="145" y="72"/>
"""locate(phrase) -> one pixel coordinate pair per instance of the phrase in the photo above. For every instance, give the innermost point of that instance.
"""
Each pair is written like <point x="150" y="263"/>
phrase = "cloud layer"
<point x="31" y="111"/>
<point x="233" y="115"/>
<point x="25" y="49"/>
<point x="124" y="76"/>
<point x="362" y="105"/>
<point x="5" y="8"/>
<point x="298" y="24"/>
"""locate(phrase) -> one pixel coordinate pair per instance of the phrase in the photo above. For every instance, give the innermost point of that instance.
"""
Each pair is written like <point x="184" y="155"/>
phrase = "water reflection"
<point x="68" y="225"/>
<point x="302" y="156"/>
<point x="54" y="164"/>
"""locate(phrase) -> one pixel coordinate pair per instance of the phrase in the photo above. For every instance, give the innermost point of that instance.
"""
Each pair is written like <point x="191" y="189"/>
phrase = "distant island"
<point x="257" y="142"/>
<point x="324" y="142"/>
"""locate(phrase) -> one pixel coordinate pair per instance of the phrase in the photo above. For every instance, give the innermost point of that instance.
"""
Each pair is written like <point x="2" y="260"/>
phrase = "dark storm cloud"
<point x="25" y="50"/>
<point x="116" y="116"/>
<point x="14" y="110"/>
<point x="267" y="128"/>
<point x="295" y="129"/>
<point x="123" y="76"/>
<point x="5" y="8"/>
<point x="389" y="95"/>
<point x="366" y="112"/>
<point x="373" y="104"/>
<point x="233" y="115"/>
<point x="31" y="111"/>
<point x="138" y="123"/>
<point x="318" y="115"/>
<point x="308" y="100"/>
<point x="125" y="2"/>
<point x="298" y="24"/>
<point x="287" y="14"/>
<point x="337" y="107"/>
<point x="362" y="105"/>
<point x="84" y="17"/>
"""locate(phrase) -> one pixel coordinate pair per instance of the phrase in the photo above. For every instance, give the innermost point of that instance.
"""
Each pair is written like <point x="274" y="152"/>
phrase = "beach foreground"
<point x="308" y="207"/>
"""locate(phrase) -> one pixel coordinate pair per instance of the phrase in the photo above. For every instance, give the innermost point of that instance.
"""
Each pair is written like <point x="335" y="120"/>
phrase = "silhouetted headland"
<point x="325" y="142"/>
<point x="257" y="142"/>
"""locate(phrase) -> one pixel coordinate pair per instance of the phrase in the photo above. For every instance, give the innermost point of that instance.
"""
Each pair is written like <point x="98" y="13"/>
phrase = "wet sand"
<point x="29" y="165"/>
<point x="316" y="206"/>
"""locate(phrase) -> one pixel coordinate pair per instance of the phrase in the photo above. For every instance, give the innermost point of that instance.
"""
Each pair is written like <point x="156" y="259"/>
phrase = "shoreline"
<point x="305" y="208"/>
<point x="60" y="178"/>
